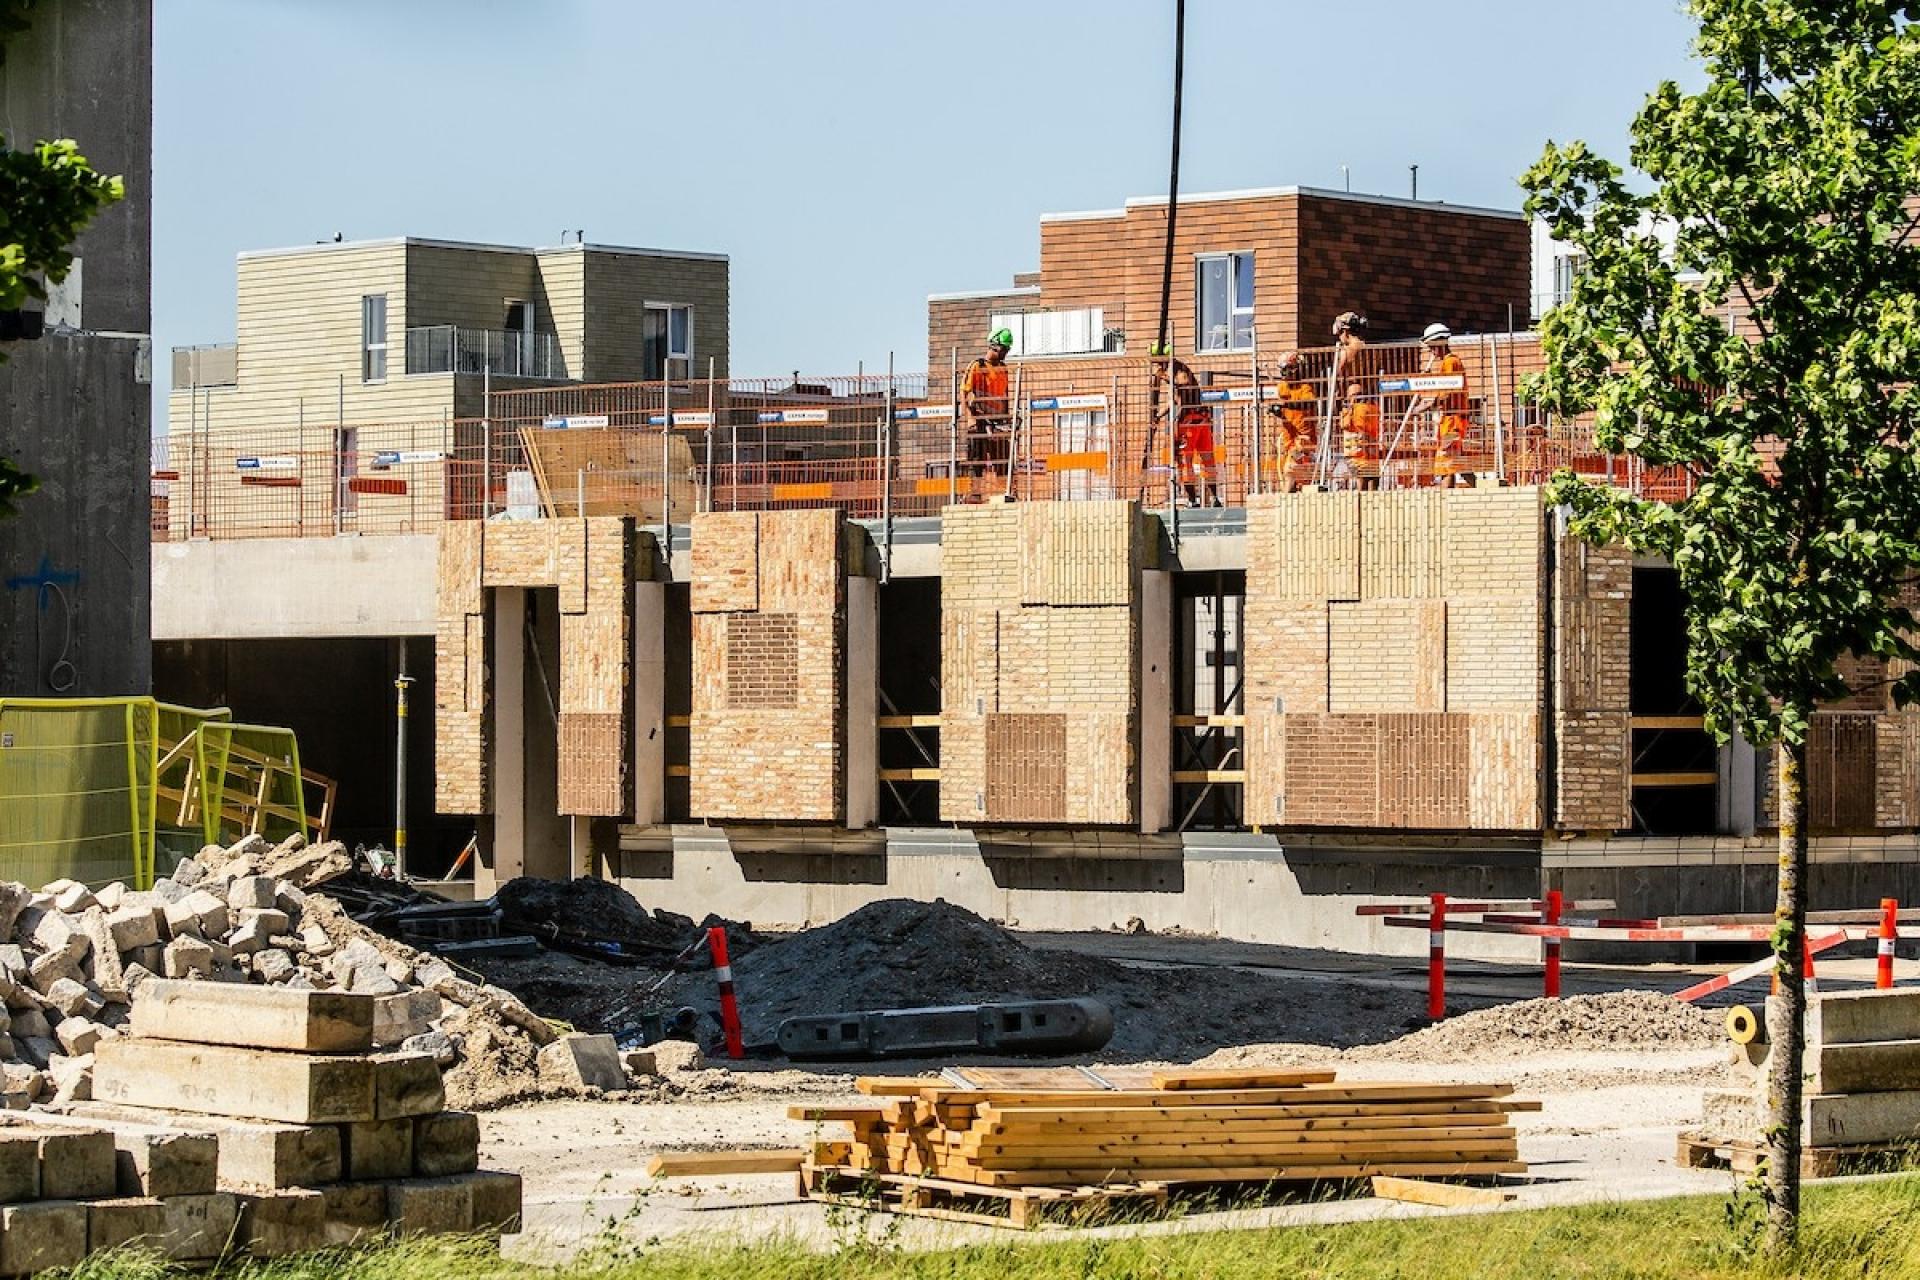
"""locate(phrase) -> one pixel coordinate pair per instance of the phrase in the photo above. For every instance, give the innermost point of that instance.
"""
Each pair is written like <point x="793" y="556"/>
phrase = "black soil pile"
<point x="900" y="954"/>
<point x="594" y="917"/>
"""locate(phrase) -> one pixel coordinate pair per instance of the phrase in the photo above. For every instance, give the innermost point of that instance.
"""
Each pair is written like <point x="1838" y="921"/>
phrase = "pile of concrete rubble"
<point x="252" y="913"/>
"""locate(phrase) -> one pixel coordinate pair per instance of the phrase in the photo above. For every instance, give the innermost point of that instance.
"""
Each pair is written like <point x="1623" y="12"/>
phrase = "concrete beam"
<point x="276" y="588"/>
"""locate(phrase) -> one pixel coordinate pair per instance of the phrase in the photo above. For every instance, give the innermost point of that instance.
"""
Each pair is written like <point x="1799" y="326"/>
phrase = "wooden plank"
<point x="922" y="721"/>
<point x="1271" y="1079"/>
<point x="894" y="1086"/>
<point x="1702" y="778"/>
<point x="1205" y="1158"/>
<point x="1382" y="1091"/>
<point x="1230" y="1132"/>
<point x="924" y="773"/>
<point x="856" y="1114"/>
<point x="1276" y="1144"/>
<point x="1260" y="1173"/>
<point x="1223" y="721"/>
<point x="693" y="1164"/>
<point x="1450" y="1194"/>
<point x="1668" y="722"/>
<point x="1210" y="775"/>
<point x="1099" y="1117"/>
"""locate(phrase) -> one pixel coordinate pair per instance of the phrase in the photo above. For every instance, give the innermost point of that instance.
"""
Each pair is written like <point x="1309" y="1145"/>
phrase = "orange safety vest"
<point x="1452" y="405"/>
<point x="984" y="391"/>
<point x="1360" y="429"/>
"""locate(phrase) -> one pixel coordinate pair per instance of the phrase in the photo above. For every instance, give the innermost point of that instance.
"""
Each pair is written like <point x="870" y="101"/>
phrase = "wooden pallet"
<point x="1743" y="1156"/>
<point x="1021" y="1207"/>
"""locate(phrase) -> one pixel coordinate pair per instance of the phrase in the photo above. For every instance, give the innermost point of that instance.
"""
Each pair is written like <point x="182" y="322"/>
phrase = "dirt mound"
<point x="1620" y="1020"/>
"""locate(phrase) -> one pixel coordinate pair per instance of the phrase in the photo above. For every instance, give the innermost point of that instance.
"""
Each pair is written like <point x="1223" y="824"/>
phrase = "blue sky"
<point x="851" y="157"/>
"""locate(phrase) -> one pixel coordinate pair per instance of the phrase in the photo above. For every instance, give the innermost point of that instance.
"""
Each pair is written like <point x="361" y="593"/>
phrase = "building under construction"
<point x="776" y="647"/>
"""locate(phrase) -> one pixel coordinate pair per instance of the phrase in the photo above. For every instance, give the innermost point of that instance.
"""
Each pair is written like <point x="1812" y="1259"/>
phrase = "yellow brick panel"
<point x="1494" y="654"/>
<point x="1495" y="542"/>
<point x="725" y="561"/>
<point x="1386" y="655"/>
<point x="1402" y="540"/>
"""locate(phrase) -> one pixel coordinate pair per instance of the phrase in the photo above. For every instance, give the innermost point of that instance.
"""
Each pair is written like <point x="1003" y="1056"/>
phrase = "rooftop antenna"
<point x="1413" y="179"/>
<point x="1346" y="179"/>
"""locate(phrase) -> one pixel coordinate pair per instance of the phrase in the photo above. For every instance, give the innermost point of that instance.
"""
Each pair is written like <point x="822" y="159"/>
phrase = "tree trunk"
<point x="1786" y="1015"/>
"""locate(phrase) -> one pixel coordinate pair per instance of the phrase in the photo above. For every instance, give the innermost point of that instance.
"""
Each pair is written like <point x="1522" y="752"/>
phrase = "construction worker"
<point x="983" y="395"/>
<point x="1448" y="409"/>
<point x="1360" y="438"/>
<point x="1294" y="416"/>
<point x="1192" y="426"/>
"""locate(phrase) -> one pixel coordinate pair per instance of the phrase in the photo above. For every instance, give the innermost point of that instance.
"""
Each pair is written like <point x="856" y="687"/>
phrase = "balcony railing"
<point x="505" y="353"/>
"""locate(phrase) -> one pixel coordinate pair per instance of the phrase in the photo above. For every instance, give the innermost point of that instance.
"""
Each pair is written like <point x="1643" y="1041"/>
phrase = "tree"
<point x="1783" y="184"/>
<point x="47" y="195"/>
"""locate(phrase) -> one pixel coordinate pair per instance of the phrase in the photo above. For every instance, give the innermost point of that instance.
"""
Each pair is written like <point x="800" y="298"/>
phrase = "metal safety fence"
<point x="1211" y="429"/>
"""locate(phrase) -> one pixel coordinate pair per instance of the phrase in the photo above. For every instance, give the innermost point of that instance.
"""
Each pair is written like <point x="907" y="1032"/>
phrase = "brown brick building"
<point x="1270" y="267"/>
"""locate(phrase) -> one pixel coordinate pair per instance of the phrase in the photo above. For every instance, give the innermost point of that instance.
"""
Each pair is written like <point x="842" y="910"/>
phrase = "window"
<point x="373" y="337"/>
<point x="1566" y="266"/>
<point x="1223" y="303"/>
<point x="666" y="334"/>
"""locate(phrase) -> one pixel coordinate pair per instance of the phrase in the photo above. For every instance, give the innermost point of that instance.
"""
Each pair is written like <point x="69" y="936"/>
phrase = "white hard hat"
<point x="1437" y="333"/>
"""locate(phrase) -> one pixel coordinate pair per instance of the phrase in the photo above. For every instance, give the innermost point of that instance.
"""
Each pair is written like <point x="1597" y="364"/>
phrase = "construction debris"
<point x="1043" y="1141"/>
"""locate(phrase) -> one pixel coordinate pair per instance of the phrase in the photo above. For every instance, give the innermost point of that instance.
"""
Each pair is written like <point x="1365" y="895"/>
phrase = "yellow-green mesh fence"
<point x="76" y="789"/>
<point x="177" y="773"/>
<point x="250" y="782"/>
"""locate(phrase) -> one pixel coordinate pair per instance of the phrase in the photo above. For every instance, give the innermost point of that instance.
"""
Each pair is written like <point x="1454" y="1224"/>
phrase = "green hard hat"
<point x="1159" y="349"/>
<point x="1001" y="338"/>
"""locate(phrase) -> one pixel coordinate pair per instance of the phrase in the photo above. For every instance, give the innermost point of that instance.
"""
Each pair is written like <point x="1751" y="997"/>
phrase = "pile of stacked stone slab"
<point x="253" y="1120"/>
<point x="1861" y="1103"/>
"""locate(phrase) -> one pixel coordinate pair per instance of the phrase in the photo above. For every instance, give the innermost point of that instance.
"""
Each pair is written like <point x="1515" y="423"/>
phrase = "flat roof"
<point x="390" y="241"/>
<point x="1015" y="291"/>
<point x="1258" y="193"/>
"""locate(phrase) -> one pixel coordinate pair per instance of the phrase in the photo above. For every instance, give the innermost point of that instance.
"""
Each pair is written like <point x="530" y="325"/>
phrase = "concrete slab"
<point x="220" y="1080"/>
<point x="255" y="1017"/>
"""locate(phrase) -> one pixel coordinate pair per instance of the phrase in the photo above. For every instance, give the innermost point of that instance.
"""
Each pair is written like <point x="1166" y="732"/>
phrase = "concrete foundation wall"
<point x="275" y="588"/>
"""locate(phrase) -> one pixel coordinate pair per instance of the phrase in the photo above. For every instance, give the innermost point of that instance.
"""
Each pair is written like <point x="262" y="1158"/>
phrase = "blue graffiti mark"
<point x="42" y="578"/>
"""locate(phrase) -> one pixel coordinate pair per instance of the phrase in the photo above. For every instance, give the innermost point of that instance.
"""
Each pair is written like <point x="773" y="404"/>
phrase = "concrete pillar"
<point x="1156" y="700"/>
<point x="506" y="858"/>
<point x="649" y="702"/>
<point x="863" y="727"/>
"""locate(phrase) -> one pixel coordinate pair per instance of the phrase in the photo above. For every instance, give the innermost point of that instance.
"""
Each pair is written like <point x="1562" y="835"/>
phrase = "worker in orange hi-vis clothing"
<point x="984" y="399"/>
<point x="1450" y="409"/>
<point x="1294" y="413"/>
<point x="1360" y="439"/>
<point x="1193" y="454"/>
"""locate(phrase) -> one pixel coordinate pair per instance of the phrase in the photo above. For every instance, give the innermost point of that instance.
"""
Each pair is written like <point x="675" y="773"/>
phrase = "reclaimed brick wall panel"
<point x="1287" y="648"/>
<point x="963" y="767"/>
<point x="1332" y="771"/>
<point x="1305" y="546"/>
<point x="592" y="763"/>
<point x="519" y="553"/>
<point x="802" y="562"/>
<point x="594" y="653"/>
<point x="1495" y="542"/>
<point x="1089" y="663"/>
<point x="1495" y="657"/>
<point x="1100" y="785"/>
<point x="1424" y="769"/>
<point x="1093" y="553"/>
<point x="1504" y="786"/>
<point x="457" y="587"/>
<point x="1026" y="767"/>
<point x="767" y="766"/>
<point x="1402" y="544"/>
<point x="1593" y="733"/>
<point x="725" y="562"/>
<point x="1386" y="655"/>
<point x="1590" y="769"/>
<point x="1897" y="766"/>
<point x="969" y="657"/>
<point x="762" y="660"/>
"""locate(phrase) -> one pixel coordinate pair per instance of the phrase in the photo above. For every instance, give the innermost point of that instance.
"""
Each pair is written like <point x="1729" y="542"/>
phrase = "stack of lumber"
<point x="1863" y="1085"/>
<point x="251" y="1119"/>
<point x="1140" y="1132"/>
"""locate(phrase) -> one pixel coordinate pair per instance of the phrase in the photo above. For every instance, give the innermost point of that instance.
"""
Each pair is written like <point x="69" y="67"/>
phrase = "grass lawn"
<point x="1870" y="1229"/>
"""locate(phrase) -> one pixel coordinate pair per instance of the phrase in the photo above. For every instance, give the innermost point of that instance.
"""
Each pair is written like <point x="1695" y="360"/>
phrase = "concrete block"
<point x="50" y="967"/>
<point x="407" y="1085"/>
<point x="430" y="1206"/>
<point x="133" y="928"/>
<point x="209" y="913"/>
<point x="110" y="895"/>
<point x="198" y="1227"/>
<point x="184" y="956"/>
<point x="72" y="1078"/>
<point x="188" y="873"/>
<point x="258" y="929"/>
<point x="1882" y="1067"/>
<point x="290" y="900"/>
<point x="436" y="1043"/>
<point x="39" y="1237"/>
<point x="404" y="1014"/>
<point x="377" y="1149"/>
<point x="315" y="941"/>
<point x="39" y="1050"/>
<point x="140" y="971"/>
<point x="169" y="891"/>
<point x="273" y="966"/>
<point x="258" y="1017"/>
<point x="250" y="893"/>
<point x="76" y="1164"/>
<point x="221" y="1080"/>
<point x="273" y="1224"/>
<point x="497" y="1200"/>
<point x="31" y="1024"/>
<point x="182" y="919"/>
<point x="640" y="1063"/>
<point x="1857" y="1017"/>
<point x="14" y="899"/>
<point x="149" y="1159"/>
<point x="356" y="1212"/>
<point x="51" y="931"/>
<point x="70" y="896"/>
<point x="13" y="961"/>
<point x="117" y="1223"/>
<point x="73" y="999"/>
<point x="78" y="1035"/>
<point x="19" y="1165"/>
<point x="103" y="958"/>
<point x="446" y="1144"/>
<point x="592" y="1061"/>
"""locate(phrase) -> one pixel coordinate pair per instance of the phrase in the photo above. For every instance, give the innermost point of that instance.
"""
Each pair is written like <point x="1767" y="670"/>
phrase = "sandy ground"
<point x="1606" y="1131"/>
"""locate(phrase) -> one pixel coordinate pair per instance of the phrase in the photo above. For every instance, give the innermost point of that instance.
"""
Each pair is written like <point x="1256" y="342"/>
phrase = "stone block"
<point x="70" y="896"/>
<point x="133" y="928"/>
<point x="250" y="893"/>
<point x="209" y="913"/>
<point x="258" y="1017"/>
<point x="78" y="1035"/>
<point x="290" y="900"/>
<point x="72" y="1078"/>
<point x="52" y="932"/>
<point x="39" y="1237"/>
<point x="140" y="971"/>
<point x="640" y="1063"/>
<point x="121" y="1222"/>
<point x="76" y="1164"/>
<point x="50" y="967"/>
<point x="185" y="956"/>
<point x="430" y="1206"/>
<point x="29" y="1024"/>
<point x="377" y="1149"/>
<point x="13" y="961"/>
<point x="152" y="1160"/>
<point x="222" y="1080"/>
<point x="198" y="1227"/>
<point x="168" y="891"/>
<point x="407" y="1085"/>
<point x="446" y="1144"/>
<point x="273" y="1224"/>
<point x="110" y="895"/>
<point x="273" y="966"/>
<point x="14" y="898"/>
<point x="592" y="1061"/>
<point x="73" y="999"/>
<point x="404" y="1014"/>
<point x="1857" y="1017"/>
<point x="39" y="1050"/>
<point x="1888" y="1066"/>
<point x="436" y="1043"/>
<point x="497" y="1200"/>
<point x="258" y="929"/>
<point x="356" y="1212"/>
<point x="188" y="873"/>
<point x="103" y="959"/>
<point x="19" y="1165"/>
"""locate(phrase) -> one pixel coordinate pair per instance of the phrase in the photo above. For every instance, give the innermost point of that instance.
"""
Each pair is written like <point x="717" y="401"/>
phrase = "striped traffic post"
<point x="1437" y="958"/>
<point x="729" y="1007"/>
<point x="1889" y="930"/>
<point x="1552" y="916"/>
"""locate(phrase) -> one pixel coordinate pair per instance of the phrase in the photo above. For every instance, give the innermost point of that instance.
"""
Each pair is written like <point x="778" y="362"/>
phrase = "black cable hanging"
<point x="1164" y="342"/>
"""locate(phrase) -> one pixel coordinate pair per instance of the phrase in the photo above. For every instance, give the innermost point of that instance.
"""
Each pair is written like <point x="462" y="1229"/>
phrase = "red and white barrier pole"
<point x="1437" y="958"/>
<point x="1552" y="916"/>
<point x="729" y="1007"/>
<point x="1889" y="930"/>
<point x="1748" y="972"/>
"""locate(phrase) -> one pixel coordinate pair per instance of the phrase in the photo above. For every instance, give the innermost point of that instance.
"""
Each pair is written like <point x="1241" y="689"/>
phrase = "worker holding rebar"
<point x="1449" y="409"/>
<point x="1293" y="414"/>
<point x="1193" y="454"/>
<point x="983" y="395"/>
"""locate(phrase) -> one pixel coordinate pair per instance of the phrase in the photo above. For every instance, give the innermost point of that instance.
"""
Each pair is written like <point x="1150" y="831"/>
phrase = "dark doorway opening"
<point x="908" y="701"/>
<point x="1209" y="722"/>
<point x="1676" y="763"/>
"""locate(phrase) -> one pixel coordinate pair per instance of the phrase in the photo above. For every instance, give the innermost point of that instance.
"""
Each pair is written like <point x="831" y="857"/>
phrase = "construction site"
<point x="1157" y="761"/>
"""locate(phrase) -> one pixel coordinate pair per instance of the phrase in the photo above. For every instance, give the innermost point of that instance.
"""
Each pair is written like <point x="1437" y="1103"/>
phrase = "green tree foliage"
<point x="48" y="193"/>
<point x="1785" y="184"/>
